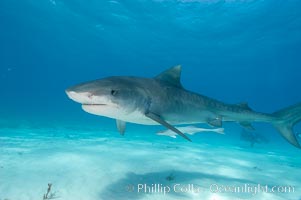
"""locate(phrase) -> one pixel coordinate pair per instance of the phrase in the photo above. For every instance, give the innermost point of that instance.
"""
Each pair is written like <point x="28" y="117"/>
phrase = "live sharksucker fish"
<point x="190" y="130"/>
<point x="163" y="100"/>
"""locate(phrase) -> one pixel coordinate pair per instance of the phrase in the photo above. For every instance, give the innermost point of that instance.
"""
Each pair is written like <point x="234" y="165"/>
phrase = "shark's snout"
<point x="80" y="97"/>
<point x="86" y="97"/>
<point x="67" y="91"/>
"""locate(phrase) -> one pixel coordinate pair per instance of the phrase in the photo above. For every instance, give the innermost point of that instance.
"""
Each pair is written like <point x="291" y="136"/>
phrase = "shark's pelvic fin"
<point x="171" y="76"/>
<point x="247" y="125"/>
<point x="216" y="122"/>
<point x="121" y="125"/>
<point x="158" y="119"/>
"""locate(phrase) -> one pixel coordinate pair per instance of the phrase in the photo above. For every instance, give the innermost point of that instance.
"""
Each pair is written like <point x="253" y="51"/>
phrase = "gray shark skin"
<point x="163" y="100"/>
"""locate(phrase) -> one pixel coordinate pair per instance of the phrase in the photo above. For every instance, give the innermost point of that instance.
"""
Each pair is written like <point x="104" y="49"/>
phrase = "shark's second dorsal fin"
<point x="171" y="76"/>
<point x="245" y="106"/>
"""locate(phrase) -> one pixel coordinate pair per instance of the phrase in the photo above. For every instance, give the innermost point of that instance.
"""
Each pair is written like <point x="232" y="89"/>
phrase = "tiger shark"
<point x="163" y="100"/>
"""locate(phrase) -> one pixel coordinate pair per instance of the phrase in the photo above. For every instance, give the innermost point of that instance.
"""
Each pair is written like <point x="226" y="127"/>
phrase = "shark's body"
<point x="163" y="100"/>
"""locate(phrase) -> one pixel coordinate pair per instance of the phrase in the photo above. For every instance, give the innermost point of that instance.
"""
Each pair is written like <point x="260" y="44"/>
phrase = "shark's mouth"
<point x="106" y="110"/>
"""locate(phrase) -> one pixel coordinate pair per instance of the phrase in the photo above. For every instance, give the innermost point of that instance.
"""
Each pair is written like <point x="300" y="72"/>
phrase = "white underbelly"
<point x="114" y="112"/>
<point x="137" y="116"/>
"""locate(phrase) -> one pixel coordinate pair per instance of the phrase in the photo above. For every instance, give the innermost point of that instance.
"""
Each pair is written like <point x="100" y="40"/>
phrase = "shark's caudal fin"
<point x="286" y="119"/>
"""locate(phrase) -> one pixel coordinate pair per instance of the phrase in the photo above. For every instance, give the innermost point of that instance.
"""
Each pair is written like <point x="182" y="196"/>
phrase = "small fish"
<point x="191" y="130"/>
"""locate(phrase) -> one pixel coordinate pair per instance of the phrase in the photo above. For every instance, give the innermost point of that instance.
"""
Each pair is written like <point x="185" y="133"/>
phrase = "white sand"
<point x="93" y="166"/>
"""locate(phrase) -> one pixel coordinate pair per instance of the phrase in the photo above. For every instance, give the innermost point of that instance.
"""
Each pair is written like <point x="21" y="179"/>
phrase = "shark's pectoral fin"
<point x="158" y="119"/>
<point x="216" y="122"/>
<point x="247" y="125"/>
<point x="121" y="126"/>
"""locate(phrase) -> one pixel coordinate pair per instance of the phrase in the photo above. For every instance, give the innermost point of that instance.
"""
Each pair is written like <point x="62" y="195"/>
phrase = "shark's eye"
<point x="114" y="92"/>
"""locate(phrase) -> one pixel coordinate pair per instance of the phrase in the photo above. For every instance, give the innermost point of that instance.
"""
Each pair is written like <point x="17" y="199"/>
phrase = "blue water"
<point x="234" y="51"/>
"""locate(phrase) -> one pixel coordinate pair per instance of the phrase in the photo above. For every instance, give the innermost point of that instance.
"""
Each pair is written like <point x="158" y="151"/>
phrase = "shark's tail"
<point x="285" y="121"/>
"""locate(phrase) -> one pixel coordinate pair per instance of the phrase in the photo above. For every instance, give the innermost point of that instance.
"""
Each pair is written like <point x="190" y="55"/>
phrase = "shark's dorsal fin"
<point x="171" y="76"/>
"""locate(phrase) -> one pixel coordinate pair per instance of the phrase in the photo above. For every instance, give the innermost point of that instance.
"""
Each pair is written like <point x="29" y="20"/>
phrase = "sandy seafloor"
<point x="89" y="165"/>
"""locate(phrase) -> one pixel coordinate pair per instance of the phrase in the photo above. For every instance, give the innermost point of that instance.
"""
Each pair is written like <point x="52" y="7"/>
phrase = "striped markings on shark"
<point x="190" y="130"/>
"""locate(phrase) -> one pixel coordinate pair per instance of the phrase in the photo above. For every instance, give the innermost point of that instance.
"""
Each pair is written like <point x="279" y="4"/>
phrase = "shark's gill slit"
<point x="297" y="130"/>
